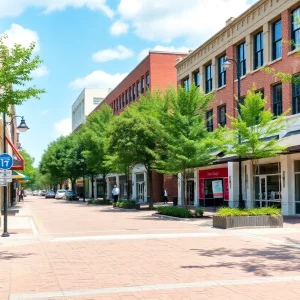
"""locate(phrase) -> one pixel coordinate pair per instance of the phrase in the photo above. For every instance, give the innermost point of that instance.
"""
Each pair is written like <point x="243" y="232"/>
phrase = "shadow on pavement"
<point x="5" y="255"/>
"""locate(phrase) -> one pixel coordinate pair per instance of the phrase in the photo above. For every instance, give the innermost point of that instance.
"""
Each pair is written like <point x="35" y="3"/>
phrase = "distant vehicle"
<point x="59" y="194"/>
<point x="50" y="194"/>
<point x="42" y="193"/>
<point x="35" y="193"/>
<point x="70" y="195"/>
<point x="28" y="192"/>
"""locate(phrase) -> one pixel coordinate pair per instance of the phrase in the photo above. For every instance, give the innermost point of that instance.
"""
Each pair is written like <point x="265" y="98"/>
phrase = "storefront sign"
<point x="217" y="186"/>
<point x="214" y="173"/>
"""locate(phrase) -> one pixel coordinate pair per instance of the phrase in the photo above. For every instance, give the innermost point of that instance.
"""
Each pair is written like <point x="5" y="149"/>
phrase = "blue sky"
<point x="95" y="43"/>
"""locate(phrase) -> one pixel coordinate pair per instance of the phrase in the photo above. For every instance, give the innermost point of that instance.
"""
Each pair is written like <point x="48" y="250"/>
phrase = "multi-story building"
<point x="257" y="38"/>
<point x="86" y="102"/>
<point x="156" y="71"/>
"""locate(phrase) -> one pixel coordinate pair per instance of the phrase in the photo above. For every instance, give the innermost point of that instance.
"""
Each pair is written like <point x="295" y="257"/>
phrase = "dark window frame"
<point x="130" y="95"/>
<point x="277" y="99"/>
<point x="208" y="78"/>
<point x="295" y="30"/>
<point x="222" y="115"/>
<point x="258" y="51"/>
<point x="148" y="80"/>
<point x="209" y="121"/>
<point x="196" y="78"/>
<point x="296" y="95"/>
<point x="142" y="85"/>
<point x="221" y="71"/>
<point x="242" y="58"/>
<point x="137" y="88"/>
<point x="276" y="52"/>
<point x="185" y="83"/>
<point x="133" y="92"/>
<point x="126" y="97"/>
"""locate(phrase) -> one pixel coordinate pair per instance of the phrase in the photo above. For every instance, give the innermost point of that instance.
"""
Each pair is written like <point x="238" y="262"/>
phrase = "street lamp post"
<point x="83" y="177"/>
<point x="22" y="128"/>
<point x="226" y="65"/>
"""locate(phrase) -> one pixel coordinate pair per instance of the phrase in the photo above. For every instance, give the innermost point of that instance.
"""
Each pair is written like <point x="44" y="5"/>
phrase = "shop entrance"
<point x="140" y="186"/>
<point x="190" y="192"/>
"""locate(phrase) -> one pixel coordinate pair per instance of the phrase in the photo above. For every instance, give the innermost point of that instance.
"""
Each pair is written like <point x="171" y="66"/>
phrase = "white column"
<point x="233" y="180"/>
<point x="90" y="187"/>
<point x="249" y="54"/>
<point x="196" y="191"/>
<point x="214" y="68"/>
<point x="287" y="186"/>
<point x="134" y="195"/>
<point x="95" y="188"/>
<point x="267" y="43"/>
<point x="109" y="188"/>
<point x="250" y="195"/>
<point x="145" y="186"/>
<point x="202" y="78"/>
<point x="118" y="181"/>
<point x="179" y="189"/>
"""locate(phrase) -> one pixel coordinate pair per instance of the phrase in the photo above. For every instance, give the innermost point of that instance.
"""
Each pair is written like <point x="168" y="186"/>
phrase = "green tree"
<point x="16" y="69"/>
<point x="29" y="169"/>
<point x="94" y="138"/>
<point x="251" y="131"/>
<point x="136" y="136"/>
<point x="189" y="145"/>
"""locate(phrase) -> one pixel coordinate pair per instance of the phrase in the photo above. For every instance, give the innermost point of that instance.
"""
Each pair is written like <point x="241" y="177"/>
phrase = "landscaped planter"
<point x="247" y="221"/>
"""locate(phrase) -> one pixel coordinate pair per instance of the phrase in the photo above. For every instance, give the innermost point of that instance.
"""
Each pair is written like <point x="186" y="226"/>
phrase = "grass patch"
<point x="258" y="211"/>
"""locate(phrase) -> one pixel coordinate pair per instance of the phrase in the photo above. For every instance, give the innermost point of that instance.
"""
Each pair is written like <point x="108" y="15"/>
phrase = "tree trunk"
<point x="254" y="170"/>
<point x="93" y="194"/>
<point x="150" y="178"/>
<point x="73" y="184"/>
<point x="184" y="188"/>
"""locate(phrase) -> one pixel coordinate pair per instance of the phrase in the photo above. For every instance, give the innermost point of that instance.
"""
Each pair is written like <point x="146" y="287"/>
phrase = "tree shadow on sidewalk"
<point x="259" y="262"/>
<point x="5" y="255"/>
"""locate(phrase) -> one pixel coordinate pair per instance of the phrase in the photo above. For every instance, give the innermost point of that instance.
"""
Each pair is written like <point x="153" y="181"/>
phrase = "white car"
<point x="59" y="194"/>
<point x="35" y="193"/>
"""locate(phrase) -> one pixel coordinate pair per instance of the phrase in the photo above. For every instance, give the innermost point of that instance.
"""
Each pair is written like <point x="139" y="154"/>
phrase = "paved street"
<point x="64" y="250"/>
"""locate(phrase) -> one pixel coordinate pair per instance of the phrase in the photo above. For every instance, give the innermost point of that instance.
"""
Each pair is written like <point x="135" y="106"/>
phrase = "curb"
<point x="174" y="218"/>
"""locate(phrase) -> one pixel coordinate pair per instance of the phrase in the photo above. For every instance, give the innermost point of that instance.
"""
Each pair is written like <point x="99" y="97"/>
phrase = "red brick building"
<point x="257" y="38"/>
<point x="156" y="71"/>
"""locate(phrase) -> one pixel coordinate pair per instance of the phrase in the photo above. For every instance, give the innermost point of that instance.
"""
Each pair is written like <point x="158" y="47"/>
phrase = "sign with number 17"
<point x="6" y="161"/>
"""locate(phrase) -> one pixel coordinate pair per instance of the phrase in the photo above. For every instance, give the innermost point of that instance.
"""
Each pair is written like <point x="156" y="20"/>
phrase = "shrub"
<point x="262" y="211"/>
<point x="126" y="204"/>
<point x="174" y="211"/>
<point x="98" y="202"/>
<point x="199" y="212"/>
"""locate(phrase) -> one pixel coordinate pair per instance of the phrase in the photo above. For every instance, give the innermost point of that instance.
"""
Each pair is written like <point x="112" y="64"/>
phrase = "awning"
<point x="292" y="141"/>
<point x="19" y="177"/>
<point x="18" y="161"/>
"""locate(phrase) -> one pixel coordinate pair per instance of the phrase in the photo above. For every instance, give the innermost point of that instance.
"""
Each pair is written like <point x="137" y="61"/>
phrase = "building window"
<point x="130" y="95"/>
<point x="97" y="101"/>
<point x="277" y="40"/>
<point x="138" y="88"/>
<point x="186" y="83"/>
<point x="222" y="115"/>
<point x="123" y="100"/>
<point x="120" y="102"/>
<point x="221" y="71"/>
<point x="126" y="97"/>
<point x="258" y="50"/>
<point x="142" y="85"/>
<point x="117" y="104"/>
<point x="241" y="58"/>
<point x="196" y="78"/>
<point x="296" y="96"/>
<point x="295" y="32"/>
<point x="209" y="121"/>
<point x="208" y="78"/>
<point x="133" y="92"/>
<point x="148" y="80"/>
<point x="277" y="99"/>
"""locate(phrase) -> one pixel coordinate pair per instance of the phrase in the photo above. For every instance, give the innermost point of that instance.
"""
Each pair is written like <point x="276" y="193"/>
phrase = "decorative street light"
<point x="226" y="64"/>
<point x="83" y="178"/>
<point x="22" y="128"/>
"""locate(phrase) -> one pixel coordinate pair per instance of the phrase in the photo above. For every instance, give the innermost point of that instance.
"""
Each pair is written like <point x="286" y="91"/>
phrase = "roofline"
<point x="224" y="29"/>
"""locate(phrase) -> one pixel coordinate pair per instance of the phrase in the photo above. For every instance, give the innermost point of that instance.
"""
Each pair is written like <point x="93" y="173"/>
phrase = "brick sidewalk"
<point x="92" y="252"/>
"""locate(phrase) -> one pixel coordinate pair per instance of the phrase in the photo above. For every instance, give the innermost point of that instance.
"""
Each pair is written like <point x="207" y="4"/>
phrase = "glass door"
<point x="190" y="192"/>
<point x="140" y="191"/>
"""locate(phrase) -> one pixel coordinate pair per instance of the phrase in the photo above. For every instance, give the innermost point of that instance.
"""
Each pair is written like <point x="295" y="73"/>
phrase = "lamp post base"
<point x="5" y="234"/>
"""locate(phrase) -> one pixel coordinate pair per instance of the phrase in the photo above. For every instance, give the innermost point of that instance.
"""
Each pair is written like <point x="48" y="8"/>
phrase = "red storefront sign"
<point x="210" y="174"/>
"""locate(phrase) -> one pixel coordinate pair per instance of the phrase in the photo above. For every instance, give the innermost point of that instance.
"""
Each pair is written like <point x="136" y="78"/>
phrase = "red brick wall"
<point x="171" y="184"/>
<point x="288" y="63"/>
<point x="157" y="186"/>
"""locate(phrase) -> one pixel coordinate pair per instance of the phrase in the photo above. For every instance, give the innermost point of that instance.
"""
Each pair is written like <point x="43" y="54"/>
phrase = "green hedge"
<point x="262" y="211"/>
<point x="98" y="202"/>
<point x="175" y="211"/>
<point x="126" y="204"/>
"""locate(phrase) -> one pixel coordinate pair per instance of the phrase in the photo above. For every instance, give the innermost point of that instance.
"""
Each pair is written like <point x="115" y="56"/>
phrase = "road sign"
<point x="6" y="161"/>
<point x="5" y="173"/>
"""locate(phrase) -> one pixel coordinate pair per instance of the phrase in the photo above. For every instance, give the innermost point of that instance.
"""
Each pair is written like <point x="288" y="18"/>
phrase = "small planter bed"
<point x="99" y="202"/>
<point x="131" y="204"/>
<point x="180" y="212"/>
<point x="248" y="217"/>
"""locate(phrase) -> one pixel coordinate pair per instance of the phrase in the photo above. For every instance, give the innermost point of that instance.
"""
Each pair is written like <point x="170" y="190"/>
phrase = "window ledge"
<point x="221" y="87"/>
<point x="275" y="61"/>
<point x="258" y="69"/>
<point x="297" y="50"/>
<point x="244" y="76"/>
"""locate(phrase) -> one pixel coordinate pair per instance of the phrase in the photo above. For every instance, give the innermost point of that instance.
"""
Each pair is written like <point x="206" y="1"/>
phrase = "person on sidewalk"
<point x="165" y="196"/>
<point x="115" y="193"/>
<point x="22" y="194"/>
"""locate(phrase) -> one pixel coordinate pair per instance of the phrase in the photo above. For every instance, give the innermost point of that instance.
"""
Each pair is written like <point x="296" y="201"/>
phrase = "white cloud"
<point x="167" y="20"/>
<point x="118" y="28"/>
<point x="20" y="35"/>
<point x="16" y="7"/>
<point x="120" y="53"/>
<point x="40" y="72"/>
<point x="63" y="127"/>
<point x="145" y="52"/>
<point x="98" y="79"/>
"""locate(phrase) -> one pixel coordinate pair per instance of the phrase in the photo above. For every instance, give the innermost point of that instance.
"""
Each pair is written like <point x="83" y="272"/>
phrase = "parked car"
<point x="59" y="194"/>
<point x="70" y="195"/>
<point x="35" y="193"/>
<point x="28" y="192"/>
<point x="50" y="194"/>
<point x="42" y="193"/>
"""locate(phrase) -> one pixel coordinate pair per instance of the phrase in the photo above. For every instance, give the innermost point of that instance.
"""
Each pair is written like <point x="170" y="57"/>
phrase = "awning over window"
<point x="18" y="159"/>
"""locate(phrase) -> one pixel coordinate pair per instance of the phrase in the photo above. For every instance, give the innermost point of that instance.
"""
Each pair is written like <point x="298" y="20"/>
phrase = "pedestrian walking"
<point x="19" y="195"/>
<point x="22" y="195"/>
<point x="115" y="193"/>
<point x="165" y="196"/>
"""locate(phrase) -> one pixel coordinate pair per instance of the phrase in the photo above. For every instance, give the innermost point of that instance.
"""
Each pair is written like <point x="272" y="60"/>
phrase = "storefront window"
<point x="269" y="169"/>
<point x="297" y="186"/>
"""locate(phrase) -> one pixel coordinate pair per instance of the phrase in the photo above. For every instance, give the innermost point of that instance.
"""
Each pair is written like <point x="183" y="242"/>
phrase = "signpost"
<point x="6" y="162"/>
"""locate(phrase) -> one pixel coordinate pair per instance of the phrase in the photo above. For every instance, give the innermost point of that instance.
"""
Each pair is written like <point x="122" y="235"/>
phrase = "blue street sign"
<point x="6" y="161"/>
